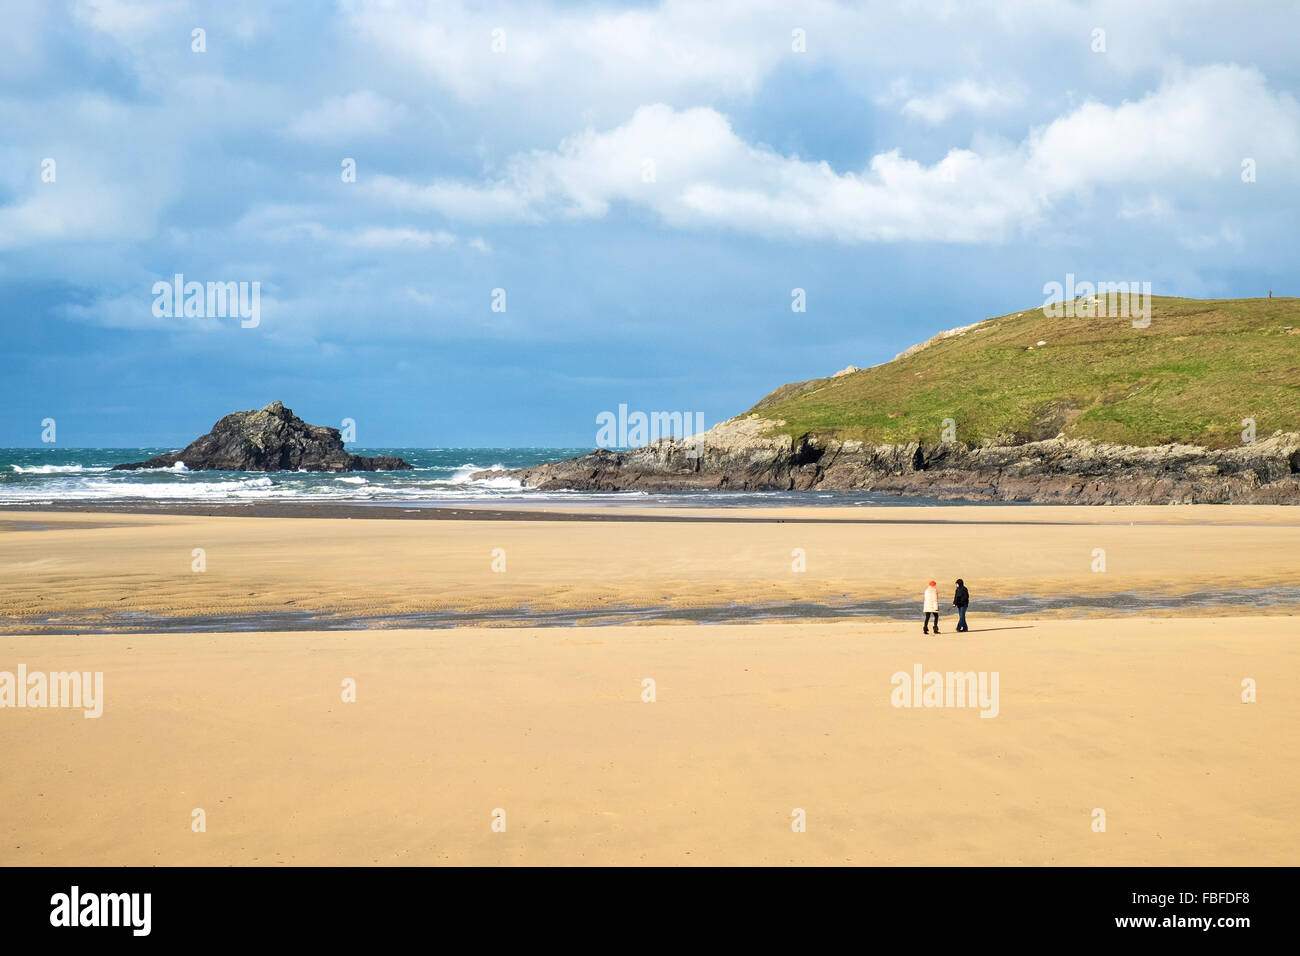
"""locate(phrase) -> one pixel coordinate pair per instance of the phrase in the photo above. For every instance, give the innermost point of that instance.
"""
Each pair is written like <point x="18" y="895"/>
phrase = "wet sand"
<point x="622" y="511"/>
<point x="107" y="570"/>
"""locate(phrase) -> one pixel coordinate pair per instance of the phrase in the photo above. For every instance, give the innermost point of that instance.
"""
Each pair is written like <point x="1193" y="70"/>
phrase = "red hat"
<point x="932" y="584"/>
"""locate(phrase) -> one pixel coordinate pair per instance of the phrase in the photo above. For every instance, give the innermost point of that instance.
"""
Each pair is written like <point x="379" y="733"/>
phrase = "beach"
<point x="104" y="569"/>
<point x="1140" y="718"/>
<point x="785" y="701"/>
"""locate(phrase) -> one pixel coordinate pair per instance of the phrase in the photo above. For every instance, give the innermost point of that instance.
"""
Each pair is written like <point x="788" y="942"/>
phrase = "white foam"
<point x="52" y="469"/>
<point x="92" y="489"/>
<point x="500" y="484"/>
<point x="461" y="474"/>
<point x="177" y="483"/>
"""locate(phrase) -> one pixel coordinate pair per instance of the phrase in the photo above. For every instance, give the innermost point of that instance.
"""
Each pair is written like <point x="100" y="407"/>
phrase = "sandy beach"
<point x="104" y="566"/>
<point x="1139" y="715"/>
<point x="1140" y="718"/>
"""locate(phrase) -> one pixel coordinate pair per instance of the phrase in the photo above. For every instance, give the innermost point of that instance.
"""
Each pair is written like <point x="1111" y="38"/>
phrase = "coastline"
<point x="752" y="453"/>
<point x="954" y="512"/>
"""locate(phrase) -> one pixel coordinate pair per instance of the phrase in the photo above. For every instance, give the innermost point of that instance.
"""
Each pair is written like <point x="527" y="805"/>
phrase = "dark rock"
<point x="742" y="455"/>
<point x="272" y="439"/>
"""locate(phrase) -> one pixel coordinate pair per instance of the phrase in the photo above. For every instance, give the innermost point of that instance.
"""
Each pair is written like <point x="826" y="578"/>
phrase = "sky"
<point x="484" y="224"/>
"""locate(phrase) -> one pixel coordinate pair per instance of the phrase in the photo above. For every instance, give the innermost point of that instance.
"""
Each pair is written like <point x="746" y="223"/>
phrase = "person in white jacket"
<point x="931" y="607"/>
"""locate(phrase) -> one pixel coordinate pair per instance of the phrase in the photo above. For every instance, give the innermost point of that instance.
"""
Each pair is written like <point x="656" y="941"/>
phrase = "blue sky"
<point x="647" y="182"/>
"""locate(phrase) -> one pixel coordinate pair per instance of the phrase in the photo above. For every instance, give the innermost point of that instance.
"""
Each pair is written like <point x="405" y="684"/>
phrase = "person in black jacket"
<point x="961" y="600"/>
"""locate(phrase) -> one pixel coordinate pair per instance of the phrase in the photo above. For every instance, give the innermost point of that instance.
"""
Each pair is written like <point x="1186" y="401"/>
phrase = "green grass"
<point x="1199" y="369"/>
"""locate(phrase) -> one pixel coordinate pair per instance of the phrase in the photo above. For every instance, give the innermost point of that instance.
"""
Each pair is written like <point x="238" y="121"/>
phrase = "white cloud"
<point x="1193" y="129"/>
<point x="90" y="210"/>
<point x="102" y="188"/>
<point x="964" y="96"/>
<point x="1226" y="235"/>
<point x="288" y="222"/>
<point x="1151" y="208"/>
<point x="684" y="52"/>
<point x="125" y="19"/>
<point x="135" y="311"/>
<point x="386" y="238"/>
<point x="359" y="114"/>
<point x="603" y="49"/>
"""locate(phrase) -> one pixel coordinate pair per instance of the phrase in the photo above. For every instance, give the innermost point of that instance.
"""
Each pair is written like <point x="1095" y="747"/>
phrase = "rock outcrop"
<point x="740" y="454"/>
<point x="271" y="439"/>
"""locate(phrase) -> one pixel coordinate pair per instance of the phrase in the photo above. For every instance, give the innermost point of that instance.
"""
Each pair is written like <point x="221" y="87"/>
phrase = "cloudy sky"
<point x="647" y="182"/>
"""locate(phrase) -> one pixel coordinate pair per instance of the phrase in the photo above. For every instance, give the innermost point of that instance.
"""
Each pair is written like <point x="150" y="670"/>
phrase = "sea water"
<point x="54" y="475"/>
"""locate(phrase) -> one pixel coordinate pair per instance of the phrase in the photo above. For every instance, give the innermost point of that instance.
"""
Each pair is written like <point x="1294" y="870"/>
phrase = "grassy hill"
<point x="1192" y="376"/>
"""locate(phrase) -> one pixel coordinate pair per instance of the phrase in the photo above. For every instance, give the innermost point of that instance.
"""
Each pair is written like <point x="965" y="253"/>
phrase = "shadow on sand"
<point x="980" y="630"/>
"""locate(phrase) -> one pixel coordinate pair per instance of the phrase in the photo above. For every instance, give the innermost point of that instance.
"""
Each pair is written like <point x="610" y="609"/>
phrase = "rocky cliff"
<point x="1079" y="404"/>
<point x="270" y="439"/>
<point x="742" y="454"/>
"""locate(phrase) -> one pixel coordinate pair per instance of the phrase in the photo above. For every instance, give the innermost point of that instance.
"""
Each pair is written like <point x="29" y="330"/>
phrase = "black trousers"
<point x="932" y="614"/>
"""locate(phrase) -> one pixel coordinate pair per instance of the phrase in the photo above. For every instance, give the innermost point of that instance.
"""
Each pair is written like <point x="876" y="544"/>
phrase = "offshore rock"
<point x="270" y="439"/>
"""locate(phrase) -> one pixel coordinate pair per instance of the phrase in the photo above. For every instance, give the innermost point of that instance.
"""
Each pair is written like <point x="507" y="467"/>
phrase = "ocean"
<point x="51" y="474"/>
